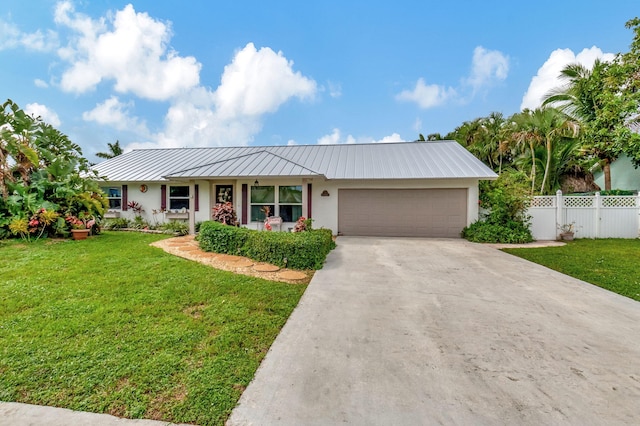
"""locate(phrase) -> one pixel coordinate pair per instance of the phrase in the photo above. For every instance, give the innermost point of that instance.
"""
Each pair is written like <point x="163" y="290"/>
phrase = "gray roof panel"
<point x="403" y="160"/>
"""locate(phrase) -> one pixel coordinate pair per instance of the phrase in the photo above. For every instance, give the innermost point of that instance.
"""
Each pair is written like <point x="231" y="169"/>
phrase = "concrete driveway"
<point x="426" y="331"/>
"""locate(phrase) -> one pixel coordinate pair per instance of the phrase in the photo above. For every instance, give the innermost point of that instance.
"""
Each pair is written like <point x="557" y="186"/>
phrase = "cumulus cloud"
<point x="427" y="95"/>
<point x="129" y="48"/>
<point x="336" y="137"/>
<point x="116" y="114"/>
<point x="259" y="81"/>
<point x="487" y="66"/>
<point x="42" y="111"/>
<point x="11" y="38"/>
<point x="547" y="76"/>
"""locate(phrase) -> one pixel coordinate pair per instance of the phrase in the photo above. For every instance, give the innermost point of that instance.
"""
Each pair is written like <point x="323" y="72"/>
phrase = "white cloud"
<point x="114" y="113"/>
<point x="394" y="137"/>
<point x="11" y="38"/>
<point x="487" y="67"/>
<point x="427" y="96"/>
<point x="417" y="125"/>
<point x="40" y="83"/>
<point x="335" y="89"/>
<point x="292" y="142"/>
<point x="547" y="76"/>
<point x="39" y="110"/>
<point x="336" y="137"/>
<point x="129" y="48"/>
<point x="258" y="82"/>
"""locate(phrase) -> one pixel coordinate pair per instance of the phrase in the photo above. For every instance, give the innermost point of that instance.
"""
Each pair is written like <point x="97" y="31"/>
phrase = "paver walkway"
<point x="188" y="248"/>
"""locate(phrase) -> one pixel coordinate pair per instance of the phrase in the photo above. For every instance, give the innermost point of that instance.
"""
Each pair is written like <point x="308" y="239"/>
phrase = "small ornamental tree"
<point x="43" y="178"/>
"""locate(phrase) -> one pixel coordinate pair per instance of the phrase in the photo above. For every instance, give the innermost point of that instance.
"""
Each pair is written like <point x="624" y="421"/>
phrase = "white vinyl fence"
<point x="593" y="216"/>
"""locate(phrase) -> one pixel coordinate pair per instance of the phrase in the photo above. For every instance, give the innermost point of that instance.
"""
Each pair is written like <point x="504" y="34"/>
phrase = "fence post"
<point x="559" y="212"/>
<point x="596" y="200"/>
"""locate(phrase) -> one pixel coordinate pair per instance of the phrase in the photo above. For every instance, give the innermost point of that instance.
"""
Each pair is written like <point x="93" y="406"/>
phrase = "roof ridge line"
<point x="218" y="161"/>
<point x="293" y="162"/>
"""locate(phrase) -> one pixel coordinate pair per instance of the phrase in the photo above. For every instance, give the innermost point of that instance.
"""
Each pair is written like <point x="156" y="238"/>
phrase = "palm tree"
<point x="114" y="151"/>
<point x="543" y="127"/>
<point x="581" y="98"/>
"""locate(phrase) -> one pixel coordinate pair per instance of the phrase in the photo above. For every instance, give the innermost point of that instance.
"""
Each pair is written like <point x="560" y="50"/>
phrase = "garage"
<point x="402" y="212"/>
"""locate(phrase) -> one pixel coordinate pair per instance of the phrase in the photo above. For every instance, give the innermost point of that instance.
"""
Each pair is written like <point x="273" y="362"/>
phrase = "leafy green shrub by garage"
<point x="295" y="250"/>
<point x="505" y="201"/>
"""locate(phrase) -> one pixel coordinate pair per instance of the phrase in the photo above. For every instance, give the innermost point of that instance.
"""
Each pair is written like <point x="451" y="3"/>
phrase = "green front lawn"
<point x="112" y="325"/>
<point x="611" y="263"/>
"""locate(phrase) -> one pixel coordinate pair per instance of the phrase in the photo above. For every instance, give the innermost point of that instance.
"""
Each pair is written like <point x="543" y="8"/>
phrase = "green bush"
<point x="175" y="227"/>
<point x="116" y="223"/>
<point x="511" y="233"/>
<point x="505" y="201"/>
<point x="299" y="250"/>
<point x="220" y="238"/>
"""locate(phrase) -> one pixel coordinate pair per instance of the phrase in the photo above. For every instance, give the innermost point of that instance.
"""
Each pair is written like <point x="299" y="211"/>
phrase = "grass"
<point x="112" y="325"/>
<point x="607" y="263"/>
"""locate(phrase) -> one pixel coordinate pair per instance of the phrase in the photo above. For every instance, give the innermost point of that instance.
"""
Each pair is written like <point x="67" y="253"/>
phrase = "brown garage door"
<point x="402" y="212"/>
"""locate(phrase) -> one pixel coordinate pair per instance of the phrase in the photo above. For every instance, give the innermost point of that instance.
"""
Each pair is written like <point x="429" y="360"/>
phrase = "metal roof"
<point x="403" y="160"/>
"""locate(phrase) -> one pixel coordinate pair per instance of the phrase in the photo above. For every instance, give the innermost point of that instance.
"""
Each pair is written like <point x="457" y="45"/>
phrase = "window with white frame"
<point x="178" y="197"/>
<point x="284" y="201"/>
<point x="114" y="194"/>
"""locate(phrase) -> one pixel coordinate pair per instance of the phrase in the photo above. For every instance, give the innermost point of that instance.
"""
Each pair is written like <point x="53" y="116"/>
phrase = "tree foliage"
<point x="43" y="178"/>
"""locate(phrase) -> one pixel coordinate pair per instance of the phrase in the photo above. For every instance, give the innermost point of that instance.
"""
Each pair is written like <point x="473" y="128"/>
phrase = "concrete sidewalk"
<point x="418" y="331"/>
<point x="16" y="414"/>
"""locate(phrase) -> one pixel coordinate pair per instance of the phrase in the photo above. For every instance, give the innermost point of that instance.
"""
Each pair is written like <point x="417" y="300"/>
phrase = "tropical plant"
<point x="224" y="213"/>
<point x="606" y="100"/>
<point x="42" y="175"/>
<point x="114" y="151"/>
<point x="504" y="202"/>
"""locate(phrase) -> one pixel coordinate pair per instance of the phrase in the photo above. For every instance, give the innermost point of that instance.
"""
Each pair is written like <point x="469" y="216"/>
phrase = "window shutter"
<point x="197" y="198"/>
<point x="309" y="198"/>
<point x="125" y="197"/>
<point x="245" y="202"/>
<point x="163" y="197"/>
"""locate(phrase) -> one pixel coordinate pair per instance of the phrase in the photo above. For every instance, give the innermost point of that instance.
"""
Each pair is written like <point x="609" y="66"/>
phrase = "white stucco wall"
<point x="324" y="209"/>
<point x="151" y="200"/>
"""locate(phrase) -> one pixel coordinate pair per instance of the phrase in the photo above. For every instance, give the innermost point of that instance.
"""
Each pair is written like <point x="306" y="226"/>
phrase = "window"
<point x="178" y="197"/>
<point x="283" y="201"/>
<point x="114" y="194"/>
<point x="290" y="203"/>
<point x="261" y="197"/>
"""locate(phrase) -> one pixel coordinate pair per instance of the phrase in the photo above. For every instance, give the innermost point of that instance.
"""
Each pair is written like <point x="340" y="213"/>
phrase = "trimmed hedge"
<point x="295" y="250"/>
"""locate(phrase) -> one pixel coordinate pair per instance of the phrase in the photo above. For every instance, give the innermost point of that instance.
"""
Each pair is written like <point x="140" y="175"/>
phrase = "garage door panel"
<point x="402" y="212"/>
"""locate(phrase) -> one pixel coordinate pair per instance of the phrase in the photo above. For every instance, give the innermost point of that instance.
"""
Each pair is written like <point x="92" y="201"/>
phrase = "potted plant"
<point x="80" y="225"/>
<point x="567" y="232"/>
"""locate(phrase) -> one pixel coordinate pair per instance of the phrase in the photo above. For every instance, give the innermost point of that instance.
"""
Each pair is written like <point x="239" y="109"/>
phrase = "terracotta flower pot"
<point x="80" y="234"/>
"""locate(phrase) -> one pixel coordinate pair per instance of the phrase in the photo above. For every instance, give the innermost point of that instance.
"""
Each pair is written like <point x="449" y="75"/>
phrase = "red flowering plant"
<point x="224" y="213"/>
<point x="82" y="221"/>
<point x="302" y="224"/>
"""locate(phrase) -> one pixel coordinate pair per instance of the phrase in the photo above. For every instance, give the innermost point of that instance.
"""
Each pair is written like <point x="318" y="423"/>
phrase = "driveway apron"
<point x="428" y="331"/>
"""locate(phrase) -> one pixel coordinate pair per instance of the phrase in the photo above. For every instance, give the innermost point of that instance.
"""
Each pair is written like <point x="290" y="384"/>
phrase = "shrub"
<point x="220" y="238"/>
<point x="303" y="250"/>
<point x="224" y="213"/>
<point x="175" y="227"/>
<point x="505" y="200"/>
<point x="117" y="223"/>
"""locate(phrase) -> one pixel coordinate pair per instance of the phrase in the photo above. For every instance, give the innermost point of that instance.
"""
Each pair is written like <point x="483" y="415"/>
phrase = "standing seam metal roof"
<point x="403" y="160"/>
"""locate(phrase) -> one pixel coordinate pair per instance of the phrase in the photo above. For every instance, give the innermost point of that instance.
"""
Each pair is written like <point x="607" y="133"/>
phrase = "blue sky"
<point x="201" y="73"/>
